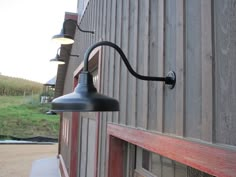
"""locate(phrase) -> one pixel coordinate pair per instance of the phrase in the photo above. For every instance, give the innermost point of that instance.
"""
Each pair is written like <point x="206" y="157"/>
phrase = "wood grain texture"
<point x="168" y="170"/>
<point x="83" y="147"/>
<point x="193" y="90"/>
<point x="130" y="159"/>
<point x="153" y="66"/>
<point x="102" y="130"/>
<point x="91" y="153"/>
<point x="109" y="59"/>
<point x="170" y="45"/>
<point x="98" y="125"/>
<point x="116" y="157"/>
<point x="104" y="19"/>
<point x="180" y="67"/>
<point x="60" y="139"/>
<point x="112" y="53"/>
<point x="225" y="72"/>
<point x="133" y="50"/>
<point x="66" y="141"/>
<point x="215" y="160"/>
<point x="74" y="144"/>
<point x="123" y="72"/>
<point x="142" y="63"/>
<point x="103" y="148"/>
<point x="106" y="61"/>
<point x="118" y="62"/>
<point x="207" y="72"/>
<point x="102" y="80"/>
<point x="100" y="16"/>
<point x="160" y="66"/>
<point x="96" y="19"/>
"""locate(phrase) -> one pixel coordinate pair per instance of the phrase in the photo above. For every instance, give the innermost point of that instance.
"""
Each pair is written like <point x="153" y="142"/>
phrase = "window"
<point x="161" y="166"/>
<point x="152" y="164"/>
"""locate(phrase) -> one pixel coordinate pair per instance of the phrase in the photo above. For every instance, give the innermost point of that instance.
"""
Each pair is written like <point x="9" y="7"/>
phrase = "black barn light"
<point x="85" y="97"/>
<point x="63" y="37"/>
<point x="50" y="112"/>
<point x="58" y="59"/>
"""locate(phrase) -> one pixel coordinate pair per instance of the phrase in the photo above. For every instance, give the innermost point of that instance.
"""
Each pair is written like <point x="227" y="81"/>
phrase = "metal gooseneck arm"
<point x="170" y="79"/>
<point x="62" y="48"/>
<point x="72" y="21"/>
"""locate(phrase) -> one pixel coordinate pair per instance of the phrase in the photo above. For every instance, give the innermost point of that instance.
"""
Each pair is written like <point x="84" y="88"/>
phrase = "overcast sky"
<point x="26" y="28"/>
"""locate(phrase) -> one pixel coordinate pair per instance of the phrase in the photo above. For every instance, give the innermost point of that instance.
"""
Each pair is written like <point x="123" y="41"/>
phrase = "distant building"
<point x="48" y="90"/>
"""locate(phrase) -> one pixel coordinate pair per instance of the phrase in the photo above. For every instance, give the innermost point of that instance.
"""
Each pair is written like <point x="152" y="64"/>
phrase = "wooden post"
<point x="115" y="157"/>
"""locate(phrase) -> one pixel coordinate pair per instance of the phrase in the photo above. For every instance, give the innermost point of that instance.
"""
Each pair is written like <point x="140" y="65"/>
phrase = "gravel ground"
<point x="16" y="160"/>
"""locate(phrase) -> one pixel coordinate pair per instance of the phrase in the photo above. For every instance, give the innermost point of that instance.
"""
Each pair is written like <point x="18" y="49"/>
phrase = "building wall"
<point x="196" y="39"/>
<point x="224" y="82"/>
<point x="64" y="85"/>
<point x="188" y="37"/>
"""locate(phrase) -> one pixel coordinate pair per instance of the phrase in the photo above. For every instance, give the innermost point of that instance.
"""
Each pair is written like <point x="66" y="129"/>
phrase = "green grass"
<point x="25" y="117"/>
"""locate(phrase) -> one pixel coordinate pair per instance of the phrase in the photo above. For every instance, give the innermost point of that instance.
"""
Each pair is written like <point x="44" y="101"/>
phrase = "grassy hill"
<point x="24" y="116"/>
<point x="12" y="86"/>
<point x="21" y="113"/>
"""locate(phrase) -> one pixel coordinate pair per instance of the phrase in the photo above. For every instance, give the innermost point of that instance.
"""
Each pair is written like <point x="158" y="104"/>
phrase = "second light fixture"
<point x="58" y="59"/>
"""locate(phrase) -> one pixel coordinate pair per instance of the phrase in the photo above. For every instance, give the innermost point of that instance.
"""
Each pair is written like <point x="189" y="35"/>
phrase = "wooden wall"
<point x="64" y="85"/>
<point x="196" y="39"/>
<point x="157" y="36"/>
<point x="225" y="72"/>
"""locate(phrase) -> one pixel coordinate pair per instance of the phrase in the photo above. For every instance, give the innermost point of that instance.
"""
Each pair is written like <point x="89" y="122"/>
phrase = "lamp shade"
<point x="63" y="38"/>
<point x="58" y="60"/>
<point x="85" y="98"/>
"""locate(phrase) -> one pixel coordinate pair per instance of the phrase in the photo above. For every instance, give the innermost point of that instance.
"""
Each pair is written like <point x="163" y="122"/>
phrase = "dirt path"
<point x="16" y="160"/>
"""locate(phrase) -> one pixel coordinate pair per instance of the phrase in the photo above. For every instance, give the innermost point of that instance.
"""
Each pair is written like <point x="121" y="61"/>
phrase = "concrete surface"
<point x="46" y="167"/>
<point x="17" y="160"/>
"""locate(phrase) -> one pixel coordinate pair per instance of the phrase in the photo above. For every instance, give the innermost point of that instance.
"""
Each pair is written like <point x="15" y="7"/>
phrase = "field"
<point x="18" y="87"/>
<point x="24" y="116"/>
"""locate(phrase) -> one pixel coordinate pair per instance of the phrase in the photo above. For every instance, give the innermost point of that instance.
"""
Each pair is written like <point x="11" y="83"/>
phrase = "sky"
<point x="26" y="29"/>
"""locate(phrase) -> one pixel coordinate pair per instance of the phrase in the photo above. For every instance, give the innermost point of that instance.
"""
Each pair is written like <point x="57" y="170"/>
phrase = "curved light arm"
<point x="170" y="79"/>
<point x="72" y="21"/>
<point x="62" y="48"/>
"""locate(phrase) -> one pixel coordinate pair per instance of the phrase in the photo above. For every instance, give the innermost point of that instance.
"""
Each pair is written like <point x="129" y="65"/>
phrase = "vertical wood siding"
<point x="207" y="71"/>
<point x="123" y="70"/>
<point x="196" y="39"/>
<point x="117" y="60"/>
<point x="160" y="63"/>
<point x="142" y="63"/>
<point x="225" y="72"/>
<point x="112" y="52"/>
<point x="153" y="61"/>
<point x="193" y="69"/>
<point x="133" y="54"/>
<point x="170" y="45"/>
<point x="180" y="67"/>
